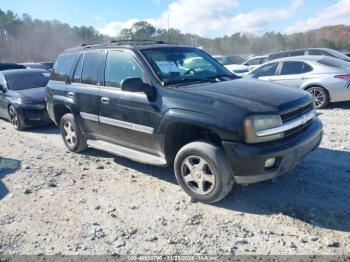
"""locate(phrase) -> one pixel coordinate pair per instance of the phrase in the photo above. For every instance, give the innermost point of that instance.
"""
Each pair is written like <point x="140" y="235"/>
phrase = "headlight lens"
<point x="257" y="123"/>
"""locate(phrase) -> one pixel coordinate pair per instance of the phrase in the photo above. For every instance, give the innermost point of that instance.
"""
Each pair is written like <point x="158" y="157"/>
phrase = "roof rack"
<point x="132" y="41"/>
<point x="119" y="42"/>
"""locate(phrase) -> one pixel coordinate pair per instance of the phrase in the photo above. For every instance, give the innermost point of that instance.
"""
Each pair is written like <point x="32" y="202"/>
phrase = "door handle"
<point x="70" y="94"/>
<point x="105" y="100"/>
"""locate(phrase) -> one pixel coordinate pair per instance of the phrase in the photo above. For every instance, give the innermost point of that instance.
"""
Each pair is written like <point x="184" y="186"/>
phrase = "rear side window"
<point x="266" y="70"/>
<point x="119" y="66"/>
<point x="63" y="67"/>
<point x="278" y="55"/>
<point x="90" y="68"/>
<point x="318" y="52"/>
<point x="295" y="67"/>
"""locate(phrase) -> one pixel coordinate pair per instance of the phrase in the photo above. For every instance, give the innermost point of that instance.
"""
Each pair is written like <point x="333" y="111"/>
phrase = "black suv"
<point x="164" y="104"/>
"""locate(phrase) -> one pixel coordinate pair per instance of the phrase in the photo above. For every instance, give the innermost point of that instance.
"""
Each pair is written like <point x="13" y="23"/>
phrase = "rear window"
<point x="63" y="67"/>
<point x="333" y="62"/>
<point x="26" y="80"/>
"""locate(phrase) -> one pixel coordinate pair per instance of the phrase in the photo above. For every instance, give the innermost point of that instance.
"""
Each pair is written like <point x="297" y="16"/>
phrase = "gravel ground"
<point x="95" y="203"/>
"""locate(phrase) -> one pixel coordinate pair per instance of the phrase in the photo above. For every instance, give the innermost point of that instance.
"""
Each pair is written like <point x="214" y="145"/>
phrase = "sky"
<point x="210" y="18"/>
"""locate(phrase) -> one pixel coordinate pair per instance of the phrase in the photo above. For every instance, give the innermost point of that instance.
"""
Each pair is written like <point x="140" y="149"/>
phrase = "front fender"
<point x="222" y="128"/>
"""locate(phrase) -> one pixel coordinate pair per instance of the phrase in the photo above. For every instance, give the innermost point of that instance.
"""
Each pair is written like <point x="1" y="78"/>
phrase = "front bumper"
<point x="248" y="161"/>
<point x="33" y="116"/>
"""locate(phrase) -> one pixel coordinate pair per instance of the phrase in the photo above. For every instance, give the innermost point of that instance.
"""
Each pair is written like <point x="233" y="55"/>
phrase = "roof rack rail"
<point x="131" y="41"/>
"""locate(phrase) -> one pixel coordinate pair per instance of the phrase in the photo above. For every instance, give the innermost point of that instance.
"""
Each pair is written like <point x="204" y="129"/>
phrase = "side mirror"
<point x="136" y="84"/>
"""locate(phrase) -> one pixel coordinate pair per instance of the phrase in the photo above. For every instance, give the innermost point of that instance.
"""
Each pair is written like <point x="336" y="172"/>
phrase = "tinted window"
<point x="26" y="80"/>
<point x="119" y="66"/>
<point x="78" y="70"/>
<point x="293" y="68"/>
<point x="254" y="61"/>
<point x="90" y="68"/>
<point x="297" y="53"/>
<point x="63" y="67"/>
<point x="266" y="70"/>
<point x="11" y="66"/>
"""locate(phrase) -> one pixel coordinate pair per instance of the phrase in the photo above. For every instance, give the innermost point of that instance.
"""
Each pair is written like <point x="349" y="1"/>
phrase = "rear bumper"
<point x="248" y="161"/>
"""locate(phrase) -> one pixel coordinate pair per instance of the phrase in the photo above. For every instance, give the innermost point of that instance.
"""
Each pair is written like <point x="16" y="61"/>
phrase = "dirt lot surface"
<point x="56" y="202"/>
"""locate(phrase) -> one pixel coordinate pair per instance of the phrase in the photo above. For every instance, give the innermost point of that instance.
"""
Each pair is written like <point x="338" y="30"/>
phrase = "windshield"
<point x="175" y="65"/>
<point x="26" y="80"/>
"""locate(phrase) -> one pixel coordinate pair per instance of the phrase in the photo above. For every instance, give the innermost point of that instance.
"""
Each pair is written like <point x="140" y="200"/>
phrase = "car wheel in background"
<point x="15" y="118"/>
<point x="203" y="171"/>
<point x="320" y="95"/>
<point x="72" y="137"/>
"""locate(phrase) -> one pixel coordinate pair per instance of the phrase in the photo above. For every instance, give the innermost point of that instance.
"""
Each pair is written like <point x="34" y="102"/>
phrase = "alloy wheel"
<point x="198" y="175"/>
<point x="69" y="134"/>
<point x="318" y="95"/>
<point x="13" y="116"/>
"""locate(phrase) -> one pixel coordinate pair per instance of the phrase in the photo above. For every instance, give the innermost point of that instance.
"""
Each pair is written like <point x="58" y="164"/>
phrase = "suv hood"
<point x="32" y="95"/>
<point x="253" y="95"/>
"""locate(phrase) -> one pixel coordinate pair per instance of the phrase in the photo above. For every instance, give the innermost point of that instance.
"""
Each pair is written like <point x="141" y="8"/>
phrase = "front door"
<point x="127" y="118"/>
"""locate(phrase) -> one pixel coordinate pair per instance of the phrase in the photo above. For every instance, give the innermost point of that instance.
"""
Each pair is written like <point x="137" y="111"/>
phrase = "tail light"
<point x="344" y="77"/>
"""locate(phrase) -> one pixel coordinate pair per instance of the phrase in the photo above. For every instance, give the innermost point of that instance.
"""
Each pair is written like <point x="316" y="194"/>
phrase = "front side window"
<point x="183" y="65"/>
<point x="90" y="68"/>
<point x="266" y="70"/>
<point x="297" y="53"/>
<point x="295" y="67"/>
<point x="119" y="66"/>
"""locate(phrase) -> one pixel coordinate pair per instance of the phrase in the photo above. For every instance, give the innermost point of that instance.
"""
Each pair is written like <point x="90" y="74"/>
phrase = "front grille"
<point x="290" y="115"/>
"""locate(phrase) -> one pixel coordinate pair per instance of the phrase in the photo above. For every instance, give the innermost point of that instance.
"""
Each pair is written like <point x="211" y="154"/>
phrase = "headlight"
<point x="256" y="123"/>
<point x="19" y="101"/>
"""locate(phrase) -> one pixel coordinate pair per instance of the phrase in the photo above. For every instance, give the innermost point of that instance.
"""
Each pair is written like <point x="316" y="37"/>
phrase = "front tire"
<point x="15" y="119"/>
<point x="72" y="137"/>
<point x="203" y="171"/>
<point x="320" y="95"/>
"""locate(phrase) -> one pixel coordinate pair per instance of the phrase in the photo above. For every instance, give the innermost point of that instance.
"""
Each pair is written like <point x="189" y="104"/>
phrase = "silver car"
<point x="326" y="78"/>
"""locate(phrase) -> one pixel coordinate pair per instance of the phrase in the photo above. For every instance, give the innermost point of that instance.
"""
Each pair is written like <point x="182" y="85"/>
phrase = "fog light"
<point x="270" y="162"/>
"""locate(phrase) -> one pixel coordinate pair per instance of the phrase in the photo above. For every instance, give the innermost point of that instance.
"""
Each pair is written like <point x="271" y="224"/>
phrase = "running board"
<point x="123" y="151"/>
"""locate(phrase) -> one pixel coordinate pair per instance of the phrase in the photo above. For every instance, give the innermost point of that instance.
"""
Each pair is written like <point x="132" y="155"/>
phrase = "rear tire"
<point x="320" y="95"/>
<point x="72" y="137"/>
<point x="203" y="171"/>
<point x="15" y="119"/>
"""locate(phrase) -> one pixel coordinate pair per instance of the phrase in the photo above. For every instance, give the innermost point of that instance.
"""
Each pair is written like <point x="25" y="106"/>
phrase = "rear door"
<point x="127" y="118"/>
<point x="293" y="73"/>
<point x="84" y="89"/>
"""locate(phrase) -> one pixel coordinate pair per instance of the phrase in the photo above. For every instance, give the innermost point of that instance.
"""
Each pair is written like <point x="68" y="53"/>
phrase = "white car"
<point x="326" y="78"/>
<point x="237" y="69"/>
<point x="256" y="61"/>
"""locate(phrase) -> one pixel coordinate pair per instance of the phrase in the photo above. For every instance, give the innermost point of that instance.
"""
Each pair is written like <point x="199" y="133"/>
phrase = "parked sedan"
<point x="326" y="78"/>
<point x="22" y="97"/>
<point x="309" y="51"/>
<point x="236" y="68"/>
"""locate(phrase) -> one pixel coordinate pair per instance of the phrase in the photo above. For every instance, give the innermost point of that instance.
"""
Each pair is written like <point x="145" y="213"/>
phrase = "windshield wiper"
<point x="188" y="81"/>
